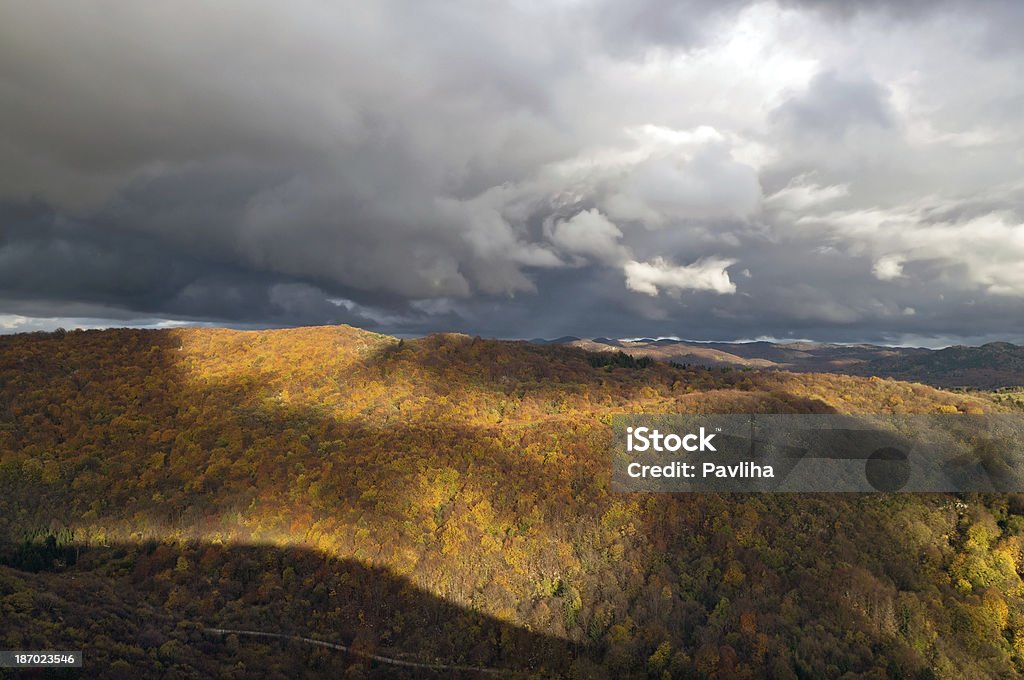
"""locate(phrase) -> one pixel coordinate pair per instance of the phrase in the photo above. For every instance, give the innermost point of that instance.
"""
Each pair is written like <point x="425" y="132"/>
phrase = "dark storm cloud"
<point x="631" y="28"/>
<point x="701" y="169"/>
<point x="54" y="266"/>
<point x="831" y="104"/>
<point x="851" y="8"/>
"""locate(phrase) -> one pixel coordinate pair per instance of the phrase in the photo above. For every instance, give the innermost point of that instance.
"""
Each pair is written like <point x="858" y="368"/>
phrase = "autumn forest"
<point x="445" y="501"/>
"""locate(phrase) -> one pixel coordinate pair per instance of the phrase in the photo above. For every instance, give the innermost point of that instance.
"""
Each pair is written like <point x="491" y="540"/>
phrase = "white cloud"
<point x="589" y="233"/>
<point x="667" y="189"/>
<point x="970" y="251"/>
<point x="801" y="194"/>
<point x="651" y="277"/>
<point x="888" y="268"/>
<point x="657" y="175"/>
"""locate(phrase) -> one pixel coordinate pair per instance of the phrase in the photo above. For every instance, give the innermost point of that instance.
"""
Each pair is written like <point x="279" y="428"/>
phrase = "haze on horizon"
<point x="706" y="170"/>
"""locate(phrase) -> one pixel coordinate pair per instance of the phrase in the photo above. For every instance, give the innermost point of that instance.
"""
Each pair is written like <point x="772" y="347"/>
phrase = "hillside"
<point x="991" y="366"/>
<point x="445" y="500"/>
<point x="997" y="364"/>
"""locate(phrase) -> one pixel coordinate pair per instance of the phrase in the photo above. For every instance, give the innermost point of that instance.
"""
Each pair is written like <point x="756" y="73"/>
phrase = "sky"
<point x="729" y="170"/>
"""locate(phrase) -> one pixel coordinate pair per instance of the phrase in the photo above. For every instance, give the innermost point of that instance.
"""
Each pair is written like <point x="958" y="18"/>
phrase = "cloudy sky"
<point x="706" y="170"/>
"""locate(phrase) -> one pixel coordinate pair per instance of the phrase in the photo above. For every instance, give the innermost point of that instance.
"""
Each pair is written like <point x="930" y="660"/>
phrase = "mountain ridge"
<point x="992" y="365"/>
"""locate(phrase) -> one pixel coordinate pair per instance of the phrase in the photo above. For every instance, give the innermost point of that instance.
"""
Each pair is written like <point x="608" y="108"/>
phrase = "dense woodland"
<point x="446" y="500"/>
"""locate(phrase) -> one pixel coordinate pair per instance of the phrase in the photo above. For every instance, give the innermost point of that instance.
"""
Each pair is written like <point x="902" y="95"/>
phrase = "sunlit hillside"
<point x="446" y="500"/>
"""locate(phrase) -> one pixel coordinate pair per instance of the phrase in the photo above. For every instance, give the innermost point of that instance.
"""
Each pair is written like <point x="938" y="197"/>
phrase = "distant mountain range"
<point x="990" y="366"/>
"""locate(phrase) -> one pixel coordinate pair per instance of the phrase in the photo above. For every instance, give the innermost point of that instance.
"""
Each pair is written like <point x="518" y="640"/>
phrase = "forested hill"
<point x="446" y="500"/>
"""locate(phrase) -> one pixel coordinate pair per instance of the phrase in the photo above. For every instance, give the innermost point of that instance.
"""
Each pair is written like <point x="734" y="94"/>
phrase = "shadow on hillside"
<point x="495" y="367"/>
<point x="115" y="430"/>
<point x="148" y="605"/>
